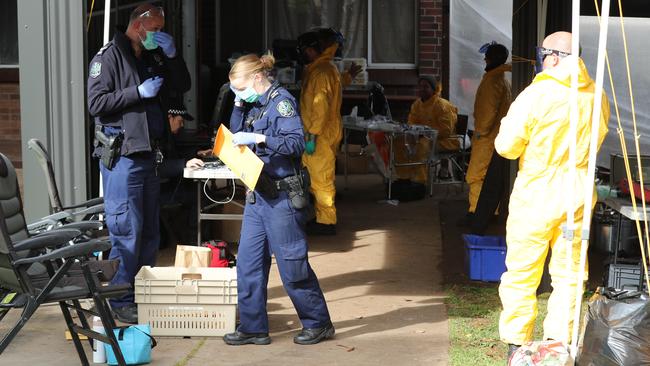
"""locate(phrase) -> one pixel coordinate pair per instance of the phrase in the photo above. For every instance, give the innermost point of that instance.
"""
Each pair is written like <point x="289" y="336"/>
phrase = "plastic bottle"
<point x="99" y="352"/>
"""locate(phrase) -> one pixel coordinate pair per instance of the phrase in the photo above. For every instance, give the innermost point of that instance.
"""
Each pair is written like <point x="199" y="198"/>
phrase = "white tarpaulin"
<point x="636" y="30"/>
<point x="472" y="24"/>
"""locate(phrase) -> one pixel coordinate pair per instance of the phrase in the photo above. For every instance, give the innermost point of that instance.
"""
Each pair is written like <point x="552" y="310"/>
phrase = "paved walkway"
<point x="381" y="278"/>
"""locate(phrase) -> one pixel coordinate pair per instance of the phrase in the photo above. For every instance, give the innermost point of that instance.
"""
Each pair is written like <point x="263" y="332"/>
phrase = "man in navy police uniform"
<point x="128" y="84"/>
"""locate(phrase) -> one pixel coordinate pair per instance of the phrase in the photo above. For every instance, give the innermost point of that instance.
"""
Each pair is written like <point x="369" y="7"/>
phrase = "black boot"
<point x="314" y="335"/>
<point x="239" y="338"/>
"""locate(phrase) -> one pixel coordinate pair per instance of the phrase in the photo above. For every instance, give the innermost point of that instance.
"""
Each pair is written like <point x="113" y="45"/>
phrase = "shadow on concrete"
<point x="393" y="320"/>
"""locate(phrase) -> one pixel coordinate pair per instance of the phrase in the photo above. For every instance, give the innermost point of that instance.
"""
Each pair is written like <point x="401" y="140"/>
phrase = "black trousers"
<point x="493" y="194"/>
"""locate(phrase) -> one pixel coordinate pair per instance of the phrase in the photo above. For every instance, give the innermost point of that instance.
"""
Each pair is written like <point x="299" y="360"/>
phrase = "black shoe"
<point x="314" y="335"/>
<point x="512" y="348"/>
<point x="239" y="338"/>
<point x="126" y="314"/>
<point x="316" y="228"/>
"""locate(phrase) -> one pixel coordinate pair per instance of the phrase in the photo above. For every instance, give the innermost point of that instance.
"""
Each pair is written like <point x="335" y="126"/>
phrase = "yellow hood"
<point x="500" y="69"/>
<point x="326" y="56"/>
<point x="562" y="74"/>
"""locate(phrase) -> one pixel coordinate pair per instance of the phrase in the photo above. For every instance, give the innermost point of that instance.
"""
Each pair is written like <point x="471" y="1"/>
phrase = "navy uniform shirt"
<point x="274" y="115"/>
<point x="113" y="98"/>
<point x="149" y="65"/>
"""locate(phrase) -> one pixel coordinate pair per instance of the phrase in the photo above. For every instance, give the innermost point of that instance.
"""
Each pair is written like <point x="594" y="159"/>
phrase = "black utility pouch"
<point x="299" y="189"/>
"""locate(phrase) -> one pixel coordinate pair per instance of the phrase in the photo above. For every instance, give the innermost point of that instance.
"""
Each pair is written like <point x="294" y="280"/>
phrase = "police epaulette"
<point x="275" y="94"/>
<point x="106" y="46"/>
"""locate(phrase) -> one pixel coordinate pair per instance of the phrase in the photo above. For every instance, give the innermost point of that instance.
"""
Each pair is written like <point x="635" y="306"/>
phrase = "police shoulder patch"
<point x="95" y="69"/>
<point x="285" y="109"/>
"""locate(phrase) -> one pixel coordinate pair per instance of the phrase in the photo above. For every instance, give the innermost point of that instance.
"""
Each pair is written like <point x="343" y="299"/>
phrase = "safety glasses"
<point x="157" y="11"/>
<point x="542" y="52"/>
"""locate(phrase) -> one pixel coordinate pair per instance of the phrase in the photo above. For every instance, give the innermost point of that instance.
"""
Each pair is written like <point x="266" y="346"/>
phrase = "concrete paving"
<point x="381" y="277"/>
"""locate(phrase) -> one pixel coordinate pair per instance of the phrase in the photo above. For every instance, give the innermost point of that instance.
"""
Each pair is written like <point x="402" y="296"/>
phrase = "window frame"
<point x="8" y="65"/>
<point x="388" y="65"/>
<point x="368" y="55"/>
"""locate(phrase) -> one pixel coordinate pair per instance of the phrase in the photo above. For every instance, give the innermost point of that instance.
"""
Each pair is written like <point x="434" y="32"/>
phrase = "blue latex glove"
<point x="150" y="87"/>
<point x="310" y="145"/>
<point x="166" y="42"/>
<point x="244" y="138"/>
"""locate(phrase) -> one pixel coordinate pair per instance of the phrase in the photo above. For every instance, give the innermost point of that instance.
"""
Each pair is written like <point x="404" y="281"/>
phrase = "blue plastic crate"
<point x="485" y="257"/>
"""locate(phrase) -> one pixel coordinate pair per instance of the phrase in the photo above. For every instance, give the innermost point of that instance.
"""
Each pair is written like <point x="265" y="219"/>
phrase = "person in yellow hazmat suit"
<point x="432" y="110"/>
<point x="491" y="104"/>
<point x="320" y="107"/>
<point x="536" y="131"/>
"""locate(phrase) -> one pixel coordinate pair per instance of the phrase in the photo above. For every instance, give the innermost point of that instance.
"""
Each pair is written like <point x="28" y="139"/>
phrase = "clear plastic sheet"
<point x="636" y="30"/>
<point x="472" y="24"/>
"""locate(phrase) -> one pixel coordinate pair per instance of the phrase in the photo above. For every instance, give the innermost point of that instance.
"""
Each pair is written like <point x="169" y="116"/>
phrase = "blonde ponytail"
<point x="251" y="64"/>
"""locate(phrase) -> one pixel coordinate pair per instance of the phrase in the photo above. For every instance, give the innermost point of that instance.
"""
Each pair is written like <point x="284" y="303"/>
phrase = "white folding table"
<point x="200" y="175"/>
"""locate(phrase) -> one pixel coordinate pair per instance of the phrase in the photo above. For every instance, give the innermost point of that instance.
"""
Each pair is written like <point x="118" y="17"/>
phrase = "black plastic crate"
<point x="625" y="277"/>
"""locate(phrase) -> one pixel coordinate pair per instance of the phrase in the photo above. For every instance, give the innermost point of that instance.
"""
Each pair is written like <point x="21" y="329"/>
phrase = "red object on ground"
<point x="625" y="188"/>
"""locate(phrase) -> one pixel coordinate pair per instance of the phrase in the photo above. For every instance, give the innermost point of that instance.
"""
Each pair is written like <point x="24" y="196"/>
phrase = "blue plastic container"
<point x="485" y="257"/>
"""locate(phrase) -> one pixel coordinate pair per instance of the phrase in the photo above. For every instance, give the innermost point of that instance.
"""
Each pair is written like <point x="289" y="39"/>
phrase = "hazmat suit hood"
<point x="326" y="56"/>
<point x="562" y="73"/>
<point x="501" y="69"/>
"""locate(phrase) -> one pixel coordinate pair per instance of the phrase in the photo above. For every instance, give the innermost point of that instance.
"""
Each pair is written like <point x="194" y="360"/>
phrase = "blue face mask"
<point x="249" y="95"/>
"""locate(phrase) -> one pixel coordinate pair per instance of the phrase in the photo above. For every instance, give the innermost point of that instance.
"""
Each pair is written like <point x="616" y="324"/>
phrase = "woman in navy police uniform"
<point x="265" y="118"/>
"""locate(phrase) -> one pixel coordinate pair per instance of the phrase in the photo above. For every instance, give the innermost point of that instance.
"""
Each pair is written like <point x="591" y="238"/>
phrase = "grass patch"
<point x="473" y="312"/>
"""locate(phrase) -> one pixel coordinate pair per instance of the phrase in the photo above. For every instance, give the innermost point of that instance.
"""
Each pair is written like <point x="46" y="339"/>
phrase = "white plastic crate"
<point x="347" y="62"/>
<point x="360" y="79"/>
<point x="187" y="302"/>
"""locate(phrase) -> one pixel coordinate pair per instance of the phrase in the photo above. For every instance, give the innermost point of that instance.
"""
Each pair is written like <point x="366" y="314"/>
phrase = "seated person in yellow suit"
<point x="490" y="106"/>
<point x="432" y="110"/>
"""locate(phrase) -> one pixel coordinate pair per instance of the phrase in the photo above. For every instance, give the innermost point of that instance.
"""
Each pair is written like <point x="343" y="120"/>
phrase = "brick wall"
<point x="10" y="122"/>
<point x="431" y="38"/>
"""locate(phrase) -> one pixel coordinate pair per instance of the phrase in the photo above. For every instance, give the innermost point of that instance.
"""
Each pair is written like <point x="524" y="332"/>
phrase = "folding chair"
<point x="456" y="160"/>
<point x="61" y="215"/>
<point x="51" y="268"/>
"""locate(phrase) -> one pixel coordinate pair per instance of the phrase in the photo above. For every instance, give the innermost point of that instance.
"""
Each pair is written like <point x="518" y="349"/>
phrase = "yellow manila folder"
<point x="239" y="159"/>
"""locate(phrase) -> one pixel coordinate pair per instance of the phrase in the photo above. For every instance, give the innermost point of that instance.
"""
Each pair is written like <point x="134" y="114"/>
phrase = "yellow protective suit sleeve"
<point x="446" y="120"/>
<point x="514" y="132"/>
<point x="412" y="112"/>
<point x="314" y="103"/>
<point x="486" y="108"/>
<point x="491" y="102"/>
